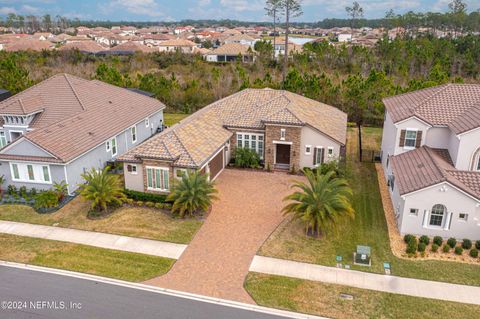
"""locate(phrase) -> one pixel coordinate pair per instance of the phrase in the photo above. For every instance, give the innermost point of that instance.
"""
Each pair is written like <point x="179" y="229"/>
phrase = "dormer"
<point x="20" y="112"/>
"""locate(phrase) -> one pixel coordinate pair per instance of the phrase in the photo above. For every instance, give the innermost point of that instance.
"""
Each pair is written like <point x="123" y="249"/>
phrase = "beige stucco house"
<point x="431" y="159"/>
<point x="288" y="131"/>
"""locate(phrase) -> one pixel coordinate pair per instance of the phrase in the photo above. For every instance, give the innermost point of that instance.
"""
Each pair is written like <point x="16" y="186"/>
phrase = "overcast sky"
<point x="246" y="10"/>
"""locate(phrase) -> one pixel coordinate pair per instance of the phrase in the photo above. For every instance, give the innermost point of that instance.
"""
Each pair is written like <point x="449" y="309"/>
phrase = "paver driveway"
<point x="217" y="260"/>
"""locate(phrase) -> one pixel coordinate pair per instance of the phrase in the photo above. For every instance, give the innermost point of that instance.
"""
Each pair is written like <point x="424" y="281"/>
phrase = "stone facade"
<point x="293" y="134"/>
<point x="156" y="163"/>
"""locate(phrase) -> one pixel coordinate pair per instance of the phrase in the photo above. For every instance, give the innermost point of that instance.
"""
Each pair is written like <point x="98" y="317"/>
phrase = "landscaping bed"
<point x="369" y="228"/>
<point x="325" y="300"/>
<point x="87" y="259"/>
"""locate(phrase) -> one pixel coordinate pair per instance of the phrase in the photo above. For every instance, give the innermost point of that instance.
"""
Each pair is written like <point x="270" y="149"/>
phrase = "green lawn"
<point x="81" y="258"/>
<point x="324" y="300"/>
<point x="129" y="221"/>
<point x="173" y="118"/>
<point x="368" y="228"/>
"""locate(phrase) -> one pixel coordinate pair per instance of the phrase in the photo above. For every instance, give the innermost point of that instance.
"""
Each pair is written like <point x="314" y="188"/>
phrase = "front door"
<point x="283" y="154"/>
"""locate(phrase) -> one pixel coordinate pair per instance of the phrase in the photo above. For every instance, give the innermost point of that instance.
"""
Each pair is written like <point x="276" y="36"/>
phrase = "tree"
<point x="13" y="77"/>
<point x="272" y="8"/>
<point x="193" y="193"/>
<point x="355" y="12"/>
<point x="291" y="9"/>
<point x="47" y="22"/>
<point x="321" y="203"/>
<point x="102" y="189"/>
<point x="458" y="14"/>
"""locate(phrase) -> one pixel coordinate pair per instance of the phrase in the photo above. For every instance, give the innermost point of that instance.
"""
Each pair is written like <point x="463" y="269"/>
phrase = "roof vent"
<point x="110" y="102"/>
<point x="90" y="133"/>
<point x="421" y="165"/>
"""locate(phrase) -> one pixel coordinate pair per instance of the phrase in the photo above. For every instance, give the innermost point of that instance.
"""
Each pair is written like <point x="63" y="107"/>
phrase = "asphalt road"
<point x="39" y="293"/>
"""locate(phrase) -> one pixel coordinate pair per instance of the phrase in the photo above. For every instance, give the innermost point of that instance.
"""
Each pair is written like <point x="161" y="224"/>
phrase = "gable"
<point x="24" y="147"/>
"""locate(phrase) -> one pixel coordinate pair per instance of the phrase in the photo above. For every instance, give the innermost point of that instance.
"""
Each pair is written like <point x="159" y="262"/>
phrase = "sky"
<point x="245" y="10"/>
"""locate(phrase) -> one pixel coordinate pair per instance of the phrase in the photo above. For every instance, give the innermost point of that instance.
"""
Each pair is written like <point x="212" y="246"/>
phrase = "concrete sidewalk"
<point x="109" y="241"/>
<point x="364" y="280"/>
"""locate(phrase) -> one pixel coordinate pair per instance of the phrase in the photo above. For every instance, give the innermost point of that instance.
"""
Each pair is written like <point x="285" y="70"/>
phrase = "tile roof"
<point x="89" y="46"/>
<point x="78" y="114"/>
<point x="232" y="49"/>
<point x="28" y="45"/>
<point x="198" y="137"/>
<point x="177" y="43"/>
<point x="425" y="166"/>
<point x="133" y="47"/>
<point x="454" y="105"/>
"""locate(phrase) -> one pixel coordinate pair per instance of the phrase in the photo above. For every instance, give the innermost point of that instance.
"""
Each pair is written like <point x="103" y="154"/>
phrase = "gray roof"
<point x="454" y="105"/>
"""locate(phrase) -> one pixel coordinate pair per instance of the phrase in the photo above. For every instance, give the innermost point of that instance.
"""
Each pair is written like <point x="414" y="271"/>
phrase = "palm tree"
<point x="193" y="193"/>
<point x="102" y="189"/>
<point x="321" y="203"/>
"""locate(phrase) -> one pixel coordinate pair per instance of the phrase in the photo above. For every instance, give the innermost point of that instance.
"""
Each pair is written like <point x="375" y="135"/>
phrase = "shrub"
<point x="158" y="205"/>
<point x="150" y="204"/>
<point x="145" y="197"/>
<point x="246" y="158"/>
<point x="46" y="199"/>
<point x="421" y="247"/>
<point x="438" y="240"/>
<point x="33" y="192"/>
<point x="412" y="246"/>
<point x="103" y="190"/>
<point x="434" y="248"/>
<point x="425" y="239"/>
<point x="446" y="248"/>
<point x="139" y="203"/>
<point x="452" y="242"/>
<point x="477" y="244"/>
<point x="167" y="206"/>
<point x="474" y="253"/>
<point x="407" y="238"/>
<point x="11" y="189"/>
<point x="458" y="250"/>
<point x="22" y="191"/>
<point x="129" y="201"/>
<point x="466" y="244"/>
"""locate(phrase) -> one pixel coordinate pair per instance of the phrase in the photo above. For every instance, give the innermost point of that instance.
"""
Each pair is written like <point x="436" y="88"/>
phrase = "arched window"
<point x="436" y="217"/>
<point x="476" y="161"/>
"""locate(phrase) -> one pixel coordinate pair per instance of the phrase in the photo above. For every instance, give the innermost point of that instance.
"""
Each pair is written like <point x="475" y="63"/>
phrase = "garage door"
<point x="216" y="165"/>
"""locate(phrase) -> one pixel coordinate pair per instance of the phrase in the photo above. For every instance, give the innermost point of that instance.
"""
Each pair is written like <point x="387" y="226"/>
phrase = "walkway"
<point x="124" y="243"/>
<point x="364" y="280"/>
<point x="217" y="260"/>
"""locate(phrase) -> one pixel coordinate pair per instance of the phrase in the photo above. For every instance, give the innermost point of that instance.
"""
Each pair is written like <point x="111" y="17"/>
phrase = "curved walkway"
<point x="217" y="260"/>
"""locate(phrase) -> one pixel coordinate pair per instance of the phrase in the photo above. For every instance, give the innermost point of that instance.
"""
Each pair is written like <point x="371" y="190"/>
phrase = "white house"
<point x="431" y="159"/>
<point x="344" y="37"/>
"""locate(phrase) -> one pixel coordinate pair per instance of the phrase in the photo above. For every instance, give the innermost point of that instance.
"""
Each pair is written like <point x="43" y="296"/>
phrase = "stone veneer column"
<point x="292" y="134"/>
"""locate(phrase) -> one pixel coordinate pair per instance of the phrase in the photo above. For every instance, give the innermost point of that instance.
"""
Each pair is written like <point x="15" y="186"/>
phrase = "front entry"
<point x="283" y="154"/>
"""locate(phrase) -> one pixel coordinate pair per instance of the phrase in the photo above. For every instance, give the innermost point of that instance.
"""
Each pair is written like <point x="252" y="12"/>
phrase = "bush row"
<point x="145" y="197"/>
<point x="150" y="204"/>
<point x="420" y="245"/>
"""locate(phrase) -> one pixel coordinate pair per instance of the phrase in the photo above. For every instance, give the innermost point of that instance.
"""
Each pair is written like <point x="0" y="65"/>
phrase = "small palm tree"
<point x="102" y="189"/>
<point x="193" y="193"/>
<point x="321" y="203"/>
<point x="61" y="189"/>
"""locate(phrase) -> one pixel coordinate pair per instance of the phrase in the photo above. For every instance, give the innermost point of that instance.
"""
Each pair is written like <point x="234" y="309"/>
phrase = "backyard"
<point x="173" y="118"/>
<point x="369" y="228"/>
<point x="324" y="299"/>
<point x="81" y="258"/>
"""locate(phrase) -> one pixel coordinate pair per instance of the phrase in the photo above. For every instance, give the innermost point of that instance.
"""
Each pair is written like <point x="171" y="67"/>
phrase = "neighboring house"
<point x="279" y="47"/>
<point x="61" y="127"/>
<point x="243" y="39"/>
<point x="89" y="47"/>
<point x="231" y="52"/>
<point x="28" y="45"/>
<point x="431" y="159"/>
<point x="288" y="131"/>
<point x="184" y="46"/>
<point x="344" y="37"/>
<point x="156" y="39"/>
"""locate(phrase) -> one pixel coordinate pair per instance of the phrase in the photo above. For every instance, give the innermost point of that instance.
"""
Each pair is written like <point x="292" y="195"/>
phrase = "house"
<point x="231" y="52"/>
<point x="61" y="127"/>
<point x="42" y="36"/>
<point x="243" y="39"/>
<point x="431" y="160"/>
<point x="28" y="45"/>
<point x="288" y="131"/>
<point x="279" y="47"/>
<point x="130" y="47"/>
<point x="89" y="47"/>
<point x="181" y="45"/>
<point x="345" y="37"/>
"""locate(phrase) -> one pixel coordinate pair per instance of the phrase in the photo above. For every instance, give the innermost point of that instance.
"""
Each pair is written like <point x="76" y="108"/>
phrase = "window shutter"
<point x="402" y="137"/>
<point x="315" y="150"/>
<point x="322" y="159"/>
<point x="448" y="222"/>
<point x="418" y="142"/>
<point x="425" y="218"/>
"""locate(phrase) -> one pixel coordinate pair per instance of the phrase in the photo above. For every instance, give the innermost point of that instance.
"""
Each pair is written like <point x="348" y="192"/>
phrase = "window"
<point x="478" y="164"/>
<point x="255" y="142"/>
<point x="463" y="217"/>
<point x="330" y="151"/>
<point x="31" y="173"/>
<point x="132" y="168"/>
<point x="108" y="146"/>
<point x="147" y="122"/>
<point x="113" y="145"/>
<point x="283" y="133"/>
<point x="410" y="138"/>
<point x="391" y="182"/>
<point x="157" y="178"/>
<point x="3" y="139"/>
<point x="133" y="131"/>
<point x="414" y="211"/>
<point x="436" y="217"/>
<point x="318" y="156"/>
<point x="308" y="149"/>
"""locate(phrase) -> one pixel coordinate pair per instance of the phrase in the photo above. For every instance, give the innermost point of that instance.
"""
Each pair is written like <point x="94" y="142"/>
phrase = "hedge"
<point x="145" y="197"/>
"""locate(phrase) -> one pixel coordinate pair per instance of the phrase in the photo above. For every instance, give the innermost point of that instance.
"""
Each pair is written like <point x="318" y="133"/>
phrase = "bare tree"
<point x="272" y="7"/>
<point x="355" y="12"/>
<point x="291" y="9"/>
